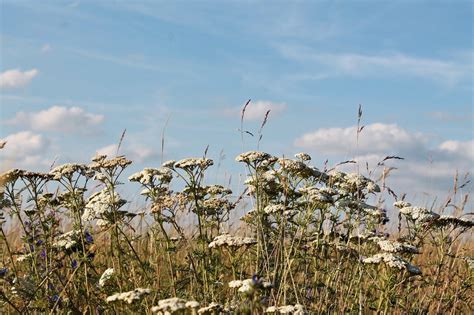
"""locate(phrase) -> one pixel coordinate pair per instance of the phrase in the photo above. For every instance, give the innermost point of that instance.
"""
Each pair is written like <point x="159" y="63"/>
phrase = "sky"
<point x="75" y="74"/>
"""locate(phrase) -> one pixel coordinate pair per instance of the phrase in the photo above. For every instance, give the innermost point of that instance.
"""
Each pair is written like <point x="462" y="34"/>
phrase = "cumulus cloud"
<point x="426" y="168"/>
<point x="16" y="78"/>
<point x="59" y="118"/>
<point x="136" y="152"/>
<point x="256" y="110"/>
<point x="25" y="149"/>
<point x="375" y="138"/>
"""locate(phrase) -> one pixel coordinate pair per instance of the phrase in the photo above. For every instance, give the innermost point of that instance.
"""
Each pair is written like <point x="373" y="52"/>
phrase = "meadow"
<point x="312" y="241"/>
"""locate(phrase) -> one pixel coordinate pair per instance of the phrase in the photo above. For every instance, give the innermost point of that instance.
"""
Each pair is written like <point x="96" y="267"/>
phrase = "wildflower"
<point x="169" y="164"/>
<point x="299" y="168"/>
<point x="446" y="220"/>
<point x="191" y="163"/>
<point x="217" y="190"/>
<point x="303" y="156"/>
<point x="101" y="202"/>
<point x="401" y="204"/>
<point x="397" y="247"/>
<point x="469" y="261"/>
<point x="11" y="176"/>
<point x="74" y="264"/>
<point x="393" y="262"/>
<point x="24" y="257"/>
<point x="68" y="169"/>
<point x="67" y="240"/>
<point x="249" y="216"/>
<point x="148" y="175"/>
<point x="296" y="309"/>
<point x="101" y="162"/>
<point x="254" y="157"/>
<point x="213" y="308"/>
<point x="106" y="276"/>
<point x="174" y="305"/>
<point x="419" y="214"/>
<point x="231" y="241"/>
<point x="3" y="272"/>
<point x="129" y="296"/>
<point x="270" y="209"/>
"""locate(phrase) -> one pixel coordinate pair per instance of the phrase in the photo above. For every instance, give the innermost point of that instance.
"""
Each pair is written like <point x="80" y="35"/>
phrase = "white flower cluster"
<point x="24" y="257"/>
<point x="231" y="241"/>
<point x="419" y="214"/>
<point x="300" y="169"/>
<point x="449" y="220"/>
<point x="174" y="305"/>
<point x="148" y="175"/>
<point x="106" y="276"/>
<point x="129" y="296"/>
<point x="303" y="156"/>
<point x="352" y="182"/>
<point x="397" y="247"/>
<point x="100" y="161"/>
<point x="68" y="169"/>
<point x="67" y="240"/>
<point x="393" y="262"/>
<point x="322" y="195"/>
<point x="192" y="163"/>
<point x="100" y="203"/>
<point x="271" y="209"/>
<point x="255" y="157"/>
<point x="10" y="176"/>
<point x="169" y="164"/>
<point x="296" y="309"/>
<point x="248" y="286"/>
<point x="401" y="204"/>
<point x="213" y="308"/>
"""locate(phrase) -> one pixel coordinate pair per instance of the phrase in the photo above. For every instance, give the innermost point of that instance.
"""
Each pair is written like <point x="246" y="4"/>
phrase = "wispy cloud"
<point x="16" y="78"/>
<point x="449" y="71"/>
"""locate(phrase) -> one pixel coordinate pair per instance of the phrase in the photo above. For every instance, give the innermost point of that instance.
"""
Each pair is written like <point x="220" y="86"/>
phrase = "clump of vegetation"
<point x="315" y="241"/>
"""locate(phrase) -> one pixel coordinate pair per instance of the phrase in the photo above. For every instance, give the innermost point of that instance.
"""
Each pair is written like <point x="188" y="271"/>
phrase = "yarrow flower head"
<point x="231" y="241"/>
<point x="213" y="308"/>
<point x="393" y="262"/>
<point x="255" y="157"/>
<point x="449" y="220"/>
<point x="397" y="247"/>
<point x="419" y="214"/>
<point x="106" y="276"/>
<point x="67" y="170"/>
<point x="148" y="175"/>
<point x="174" y="305"/>
<point x="296" y="309"/>
<point x="303" y="156"/>
<point x="191" y="163"/>
<point x="130" y="296"/>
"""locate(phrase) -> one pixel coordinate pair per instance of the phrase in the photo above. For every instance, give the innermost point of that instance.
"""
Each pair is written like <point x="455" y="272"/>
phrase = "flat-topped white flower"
<point x="449" y="220"/>
<point x="254" y="157"/>
<point x="130" y="296"/>
<point x="148" y="175"/>
<point x="174" y="305"/>
<point x="303" y="156"/>
<point x="270" y="209"/>
<point x="169" y="164"/>
<point x="296" y="309"/>
<point x="419" y="214"/>
<point x="401" y="204"/>
<point x="68" y="169"/>
<point x="397" y="247"/>
<point x="192" y="163"/>
<point x="99" y="203"/>
<point x="393" y="262"/>
<point x="67" y="240"/>
<point x="213" y="308"/>
<point x="231" y="241"/>
<point x="106" y="276"/>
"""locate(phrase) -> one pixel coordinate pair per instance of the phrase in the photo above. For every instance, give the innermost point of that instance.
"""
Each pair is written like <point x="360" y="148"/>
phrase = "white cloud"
<point x="15" y="78"/>
<point x="58" y="118"/>
<point x="426" y="168"/>
<point x="256" y="110"/>
<point x="137" y="152"/>
<point x="25" y="149"/>
<point x="46" y="48"/>
<point x="374" y="138"/>
<point x="449" y="71"/>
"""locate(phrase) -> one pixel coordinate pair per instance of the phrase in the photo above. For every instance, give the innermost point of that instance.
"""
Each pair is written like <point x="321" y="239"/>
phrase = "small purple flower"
<point x="43" y="253"/>
<point x="74" y="264"/>
<point x="3" y="272"/>
<point x="39" y="242"/>
<point x="91" y="256"/>
<point x="89" y="238"/>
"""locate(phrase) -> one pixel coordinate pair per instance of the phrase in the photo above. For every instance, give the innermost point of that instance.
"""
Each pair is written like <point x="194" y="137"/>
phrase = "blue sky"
<point x="76" y="73"/>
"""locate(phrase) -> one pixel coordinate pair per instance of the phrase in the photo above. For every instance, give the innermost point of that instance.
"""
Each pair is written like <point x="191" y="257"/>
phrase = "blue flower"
<point x="74" y="264"/>
<point x="89" y="238"/>
<point x="3" y="272"/>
